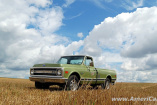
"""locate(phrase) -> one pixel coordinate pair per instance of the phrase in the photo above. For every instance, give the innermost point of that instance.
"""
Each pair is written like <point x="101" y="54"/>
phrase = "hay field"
<point x="23" y="92"/>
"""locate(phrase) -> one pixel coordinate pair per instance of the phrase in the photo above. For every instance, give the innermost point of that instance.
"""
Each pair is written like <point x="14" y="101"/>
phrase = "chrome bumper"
<point x="47" y="79"/>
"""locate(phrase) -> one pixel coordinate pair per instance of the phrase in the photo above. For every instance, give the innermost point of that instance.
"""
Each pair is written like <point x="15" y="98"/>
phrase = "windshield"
<point x="71" y="60"/>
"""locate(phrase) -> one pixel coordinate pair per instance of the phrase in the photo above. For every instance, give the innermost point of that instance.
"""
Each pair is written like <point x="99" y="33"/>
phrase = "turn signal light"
<point x="66" y="72"/>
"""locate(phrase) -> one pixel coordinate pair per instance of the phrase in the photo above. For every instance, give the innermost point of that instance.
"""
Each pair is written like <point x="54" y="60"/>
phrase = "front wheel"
<point x="106" y="84"/>
<point x="73" y="83"/>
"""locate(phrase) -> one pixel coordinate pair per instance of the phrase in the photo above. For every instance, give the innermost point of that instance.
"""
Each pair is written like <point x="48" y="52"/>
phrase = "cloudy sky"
<point x="120" y="35"/>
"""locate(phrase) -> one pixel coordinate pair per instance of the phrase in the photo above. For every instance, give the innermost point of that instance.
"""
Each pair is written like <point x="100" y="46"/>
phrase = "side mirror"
<point x="91" y="64"/>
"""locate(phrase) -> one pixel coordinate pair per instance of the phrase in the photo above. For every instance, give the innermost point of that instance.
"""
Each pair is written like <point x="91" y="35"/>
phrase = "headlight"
<point x="31" y="71"/>
<point x="59" y="72"/>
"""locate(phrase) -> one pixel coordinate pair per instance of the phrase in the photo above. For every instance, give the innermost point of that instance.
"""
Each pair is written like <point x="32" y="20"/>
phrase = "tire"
<point x="46" y="86"/>
<point x="113" y="83"/>
<point x="39" y="85"/>
<point x="73" y="83"/>
<point x="106" y="84"/>
<point x="62" y="86"/>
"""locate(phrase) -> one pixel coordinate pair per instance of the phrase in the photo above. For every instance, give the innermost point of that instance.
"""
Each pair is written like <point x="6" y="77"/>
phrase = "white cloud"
<point x="14" y="74"/>
<point x="130" y="5"/>
<point x="127" y="4"/>
<point x="141" y="64"/>
<point x="22" y="46"/>
<point x="133" y="35"/>
<point x="107" y="58"/>
<point x="130" y="33"/>
<point x="38" y="3"/>
<point x="144" y="33"/>
<point x="136" y="76"/>
<point x="73" y="17"/>
<point x="100" y="3"/>
<point x="68" y="3"/>
<point x="80" y="35"/>
<point x="49" y="20"/>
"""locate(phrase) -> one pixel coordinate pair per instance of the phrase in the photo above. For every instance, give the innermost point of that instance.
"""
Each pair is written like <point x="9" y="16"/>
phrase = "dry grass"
<point x="23" y="92"/>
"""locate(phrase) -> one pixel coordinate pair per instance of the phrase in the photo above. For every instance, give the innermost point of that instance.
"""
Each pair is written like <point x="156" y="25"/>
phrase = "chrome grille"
<point x="45" y="71"/>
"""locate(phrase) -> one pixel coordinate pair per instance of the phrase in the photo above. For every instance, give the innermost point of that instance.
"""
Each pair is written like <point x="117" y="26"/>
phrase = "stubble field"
<point x="23" y="92"/>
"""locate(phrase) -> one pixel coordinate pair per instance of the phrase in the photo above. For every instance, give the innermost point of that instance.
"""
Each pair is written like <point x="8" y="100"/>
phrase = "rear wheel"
<point x="106" y="84"/>
<point x="73" y="83"/>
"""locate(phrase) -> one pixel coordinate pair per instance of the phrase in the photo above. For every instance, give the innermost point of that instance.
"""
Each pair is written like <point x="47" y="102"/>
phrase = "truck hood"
<point x="47" y="65"/>
<point x="55" y="65"/>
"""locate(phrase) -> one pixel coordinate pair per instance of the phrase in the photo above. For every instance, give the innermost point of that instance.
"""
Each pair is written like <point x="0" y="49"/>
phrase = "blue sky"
<point x="84" y="14"/>
<point x="120" y="35"/>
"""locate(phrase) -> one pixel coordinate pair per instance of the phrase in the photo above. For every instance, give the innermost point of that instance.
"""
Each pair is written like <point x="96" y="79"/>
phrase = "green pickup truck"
<point x="71" y="72"/>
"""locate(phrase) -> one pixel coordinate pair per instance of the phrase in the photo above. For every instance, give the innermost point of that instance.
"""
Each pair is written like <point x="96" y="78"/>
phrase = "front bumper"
<point x="48" y="79"/>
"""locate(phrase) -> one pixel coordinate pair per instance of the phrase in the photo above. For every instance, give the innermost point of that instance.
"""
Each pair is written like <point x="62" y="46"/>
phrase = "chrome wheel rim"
<point x="107" y="84"/>
<point x="73" y="85"/>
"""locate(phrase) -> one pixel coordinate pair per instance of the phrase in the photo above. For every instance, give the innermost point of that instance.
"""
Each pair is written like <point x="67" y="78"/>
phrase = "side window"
<point x="77" y="61"/>
<point x="88" y="61"/>
<point x="63" y="61"/>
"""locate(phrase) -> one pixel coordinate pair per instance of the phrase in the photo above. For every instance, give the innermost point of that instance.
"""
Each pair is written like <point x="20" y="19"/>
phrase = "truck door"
<point x="92" y="73"/>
